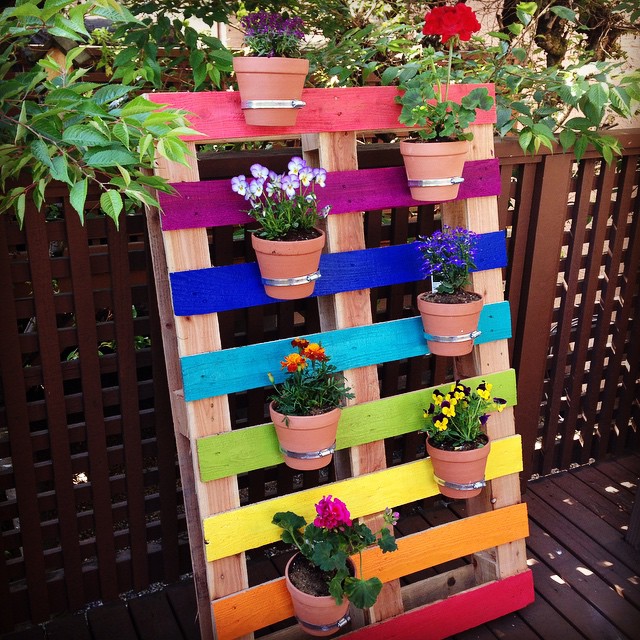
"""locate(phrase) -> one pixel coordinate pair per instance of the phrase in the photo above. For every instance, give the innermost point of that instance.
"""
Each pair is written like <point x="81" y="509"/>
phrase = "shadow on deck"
<point x="587" y="578"/>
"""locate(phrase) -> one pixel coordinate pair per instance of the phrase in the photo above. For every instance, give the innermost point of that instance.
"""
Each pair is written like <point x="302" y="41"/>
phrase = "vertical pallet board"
<point x="211" y="455"/>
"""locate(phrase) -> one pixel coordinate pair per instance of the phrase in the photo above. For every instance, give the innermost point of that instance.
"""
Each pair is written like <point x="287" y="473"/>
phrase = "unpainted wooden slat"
<point x="249" y="527"/>
<point x="242" y="450"/>
<point x="219" y="372"/>
<point x="270" y="603"/>
<point x="218" y="116"/>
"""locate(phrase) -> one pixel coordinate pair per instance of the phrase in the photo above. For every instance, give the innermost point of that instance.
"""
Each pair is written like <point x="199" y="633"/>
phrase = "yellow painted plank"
<point x="269" y="603"/>
<point x="237" y="530"/>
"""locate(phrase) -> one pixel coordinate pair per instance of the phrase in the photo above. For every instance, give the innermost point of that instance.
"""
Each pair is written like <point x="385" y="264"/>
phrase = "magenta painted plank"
<point x="217" y="115"/>
<point x="455" y="614"/>
<point x="213" y="204"/>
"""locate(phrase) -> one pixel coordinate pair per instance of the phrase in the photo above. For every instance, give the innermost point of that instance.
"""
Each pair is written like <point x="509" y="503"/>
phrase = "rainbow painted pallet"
<point x="191" y="293"/>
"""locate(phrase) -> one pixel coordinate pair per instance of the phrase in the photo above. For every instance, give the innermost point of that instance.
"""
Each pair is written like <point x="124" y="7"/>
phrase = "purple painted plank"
<point x="213" y="204"/>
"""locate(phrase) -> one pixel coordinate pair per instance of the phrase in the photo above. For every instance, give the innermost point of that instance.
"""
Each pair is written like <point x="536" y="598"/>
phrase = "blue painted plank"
<point x="220" y="372"/>
<point x="239" y="286"/>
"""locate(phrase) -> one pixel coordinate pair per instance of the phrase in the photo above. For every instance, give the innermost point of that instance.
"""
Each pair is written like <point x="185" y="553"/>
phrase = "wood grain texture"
<point x="458" y="613"/>
<point x="238" y="286"/>
<point x="257" y="447"/>
<point x="213" y="204"/>
<point x="269" y="603"/>
<point x="218" y="117"/>
<point x="236" y="530"/>
<point x="220" y="372"/>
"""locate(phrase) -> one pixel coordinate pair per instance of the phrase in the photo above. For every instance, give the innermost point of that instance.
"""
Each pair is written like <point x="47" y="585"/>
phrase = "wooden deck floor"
<point x="587" y="578"/>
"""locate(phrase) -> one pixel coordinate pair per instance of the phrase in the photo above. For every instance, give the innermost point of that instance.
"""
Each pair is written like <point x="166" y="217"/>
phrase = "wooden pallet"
<point x="191" y="293"/>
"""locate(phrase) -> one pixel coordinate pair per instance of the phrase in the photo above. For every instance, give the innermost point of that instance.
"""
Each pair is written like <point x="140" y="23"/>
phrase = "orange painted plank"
<point x="218" y="116"/>
<point x="269" y="603"/>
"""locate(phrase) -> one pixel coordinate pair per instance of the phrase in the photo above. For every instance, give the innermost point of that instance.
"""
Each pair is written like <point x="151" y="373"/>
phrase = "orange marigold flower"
<point x="314" y="351"/>
<point x="294" y="362"/>
<point x="299" y="343"/>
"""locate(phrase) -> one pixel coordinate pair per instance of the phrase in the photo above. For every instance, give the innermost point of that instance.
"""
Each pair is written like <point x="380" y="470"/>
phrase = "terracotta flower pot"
<point x="281" y="261"/>
<point x="462" y="470"/>
<point x="442" y="161"/>
<point x="308" y="442"/>
<point x="280" y="79"/>
<point x="452" y="321"/>
<point x="317" y="615"/>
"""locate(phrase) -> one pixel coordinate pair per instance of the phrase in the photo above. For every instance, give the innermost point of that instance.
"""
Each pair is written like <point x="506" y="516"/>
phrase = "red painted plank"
<point x="218" y="116"/>
<point x="213" y="204"/>
<point x="458" y="613"/>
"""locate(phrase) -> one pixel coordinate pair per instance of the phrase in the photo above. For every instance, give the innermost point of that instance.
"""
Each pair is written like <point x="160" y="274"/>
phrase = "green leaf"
<point x="41" y="152"/>
<point x="139" y="105"/>
<point x="84" y="136"/>
<point x="20" y="207"/>
<point x="60" y="169"/>
<point x="111" y="92"/>
<point x="110" y="158"/>
<point x="564" y="12"/>
<point x="111" y="204"/>
<point x="362" y="593"/>
<point x="78" y="197"/>
<point x="567" y="139"/>
<point x="121" y="132"/>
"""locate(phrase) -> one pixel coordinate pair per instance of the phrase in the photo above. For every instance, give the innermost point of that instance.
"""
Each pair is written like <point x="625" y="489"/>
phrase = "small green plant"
<point x="425" y="101"/>
<point x="455" y="420"/>
<point x="313" y="386"/>
<point x="269" y="34"/>
<point x="328" y="542"/>
<point x="448" y="256"/>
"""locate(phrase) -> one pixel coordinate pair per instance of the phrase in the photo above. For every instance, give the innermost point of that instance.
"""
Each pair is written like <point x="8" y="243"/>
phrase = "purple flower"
<point x="239" y="185"/>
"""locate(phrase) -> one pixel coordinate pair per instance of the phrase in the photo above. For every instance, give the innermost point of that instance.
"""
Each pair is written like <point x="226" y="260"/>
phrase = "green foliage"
<point x="56" y="126"/>
<point x="571" y="104"/>
<point x="330" y="540"/>
<point x="455" y="419"/>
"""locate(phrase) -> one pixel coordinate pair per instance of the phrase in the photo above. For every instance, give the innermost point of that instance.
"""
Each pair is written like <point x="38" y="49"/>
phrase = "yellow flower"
<point x="294" y="362"/>
<point x="441" y="425"/>
<point x="448" y="409"/>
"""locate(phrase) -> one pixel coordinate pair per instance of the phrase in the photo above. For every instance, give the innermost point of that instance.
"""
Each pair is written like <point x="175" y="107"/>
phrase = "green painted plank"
<point x="221" y="372"/>
<point x="256" y="447"/>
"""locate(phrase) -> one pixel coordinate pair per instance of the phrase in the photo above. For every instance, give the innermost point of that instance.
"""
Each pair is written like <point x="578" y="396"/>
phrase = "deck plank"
<point x="153" y="618"/>
<point x="111" y="621"/>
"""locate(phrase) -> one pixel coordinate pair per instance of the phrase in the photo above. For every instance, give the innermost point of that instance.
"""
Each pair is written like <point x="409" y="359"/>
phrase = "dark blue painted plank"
<point x="221" y="372"/>
<point x="239" y="286"/>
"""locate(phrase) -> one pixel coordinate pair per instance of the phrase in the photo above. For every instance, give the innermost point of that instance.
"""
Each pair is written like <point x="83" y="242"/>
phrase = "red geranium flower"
<point x="458" y="21"/>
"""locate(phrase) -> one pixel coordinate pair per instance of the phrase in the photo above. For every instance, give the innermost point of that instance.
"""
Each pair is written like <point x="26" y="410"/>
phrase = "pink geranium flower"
<point x="332" y="514"/>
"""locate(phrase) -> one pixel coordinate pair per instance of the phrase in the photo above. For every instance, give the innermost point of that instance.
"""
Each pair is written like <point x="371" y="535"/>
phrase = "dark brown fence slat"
<point x="122" y="311"/>
<point x="95" y="428"/>
<point x="618" y="288"/>
<point x="43" y="288"/>
<point x="535" y="313"/>
<point x="564" y="331"/>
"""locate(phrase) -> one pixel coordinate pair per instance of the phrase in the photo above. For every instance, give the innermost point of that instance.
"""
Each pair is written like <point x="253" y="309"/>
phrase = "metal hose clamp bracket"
<point x="272" y="104"/>
<point x="326" y="627"/>
<point x="469" y="486"/>
<point x="290" y="282"/>
<point x="435" y="182"/>
<point x="461" y="338"/>
<point x="310" y="455"/>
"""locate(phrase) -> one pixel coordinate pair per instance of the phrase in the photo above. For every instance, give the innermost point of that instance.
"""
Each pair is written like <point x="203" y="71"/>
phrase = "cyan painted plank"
<point x="242" y="450"/>
<point x="212" y="203"/>
<point x="220" y="372"/>
<point x="239" y="286"/>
